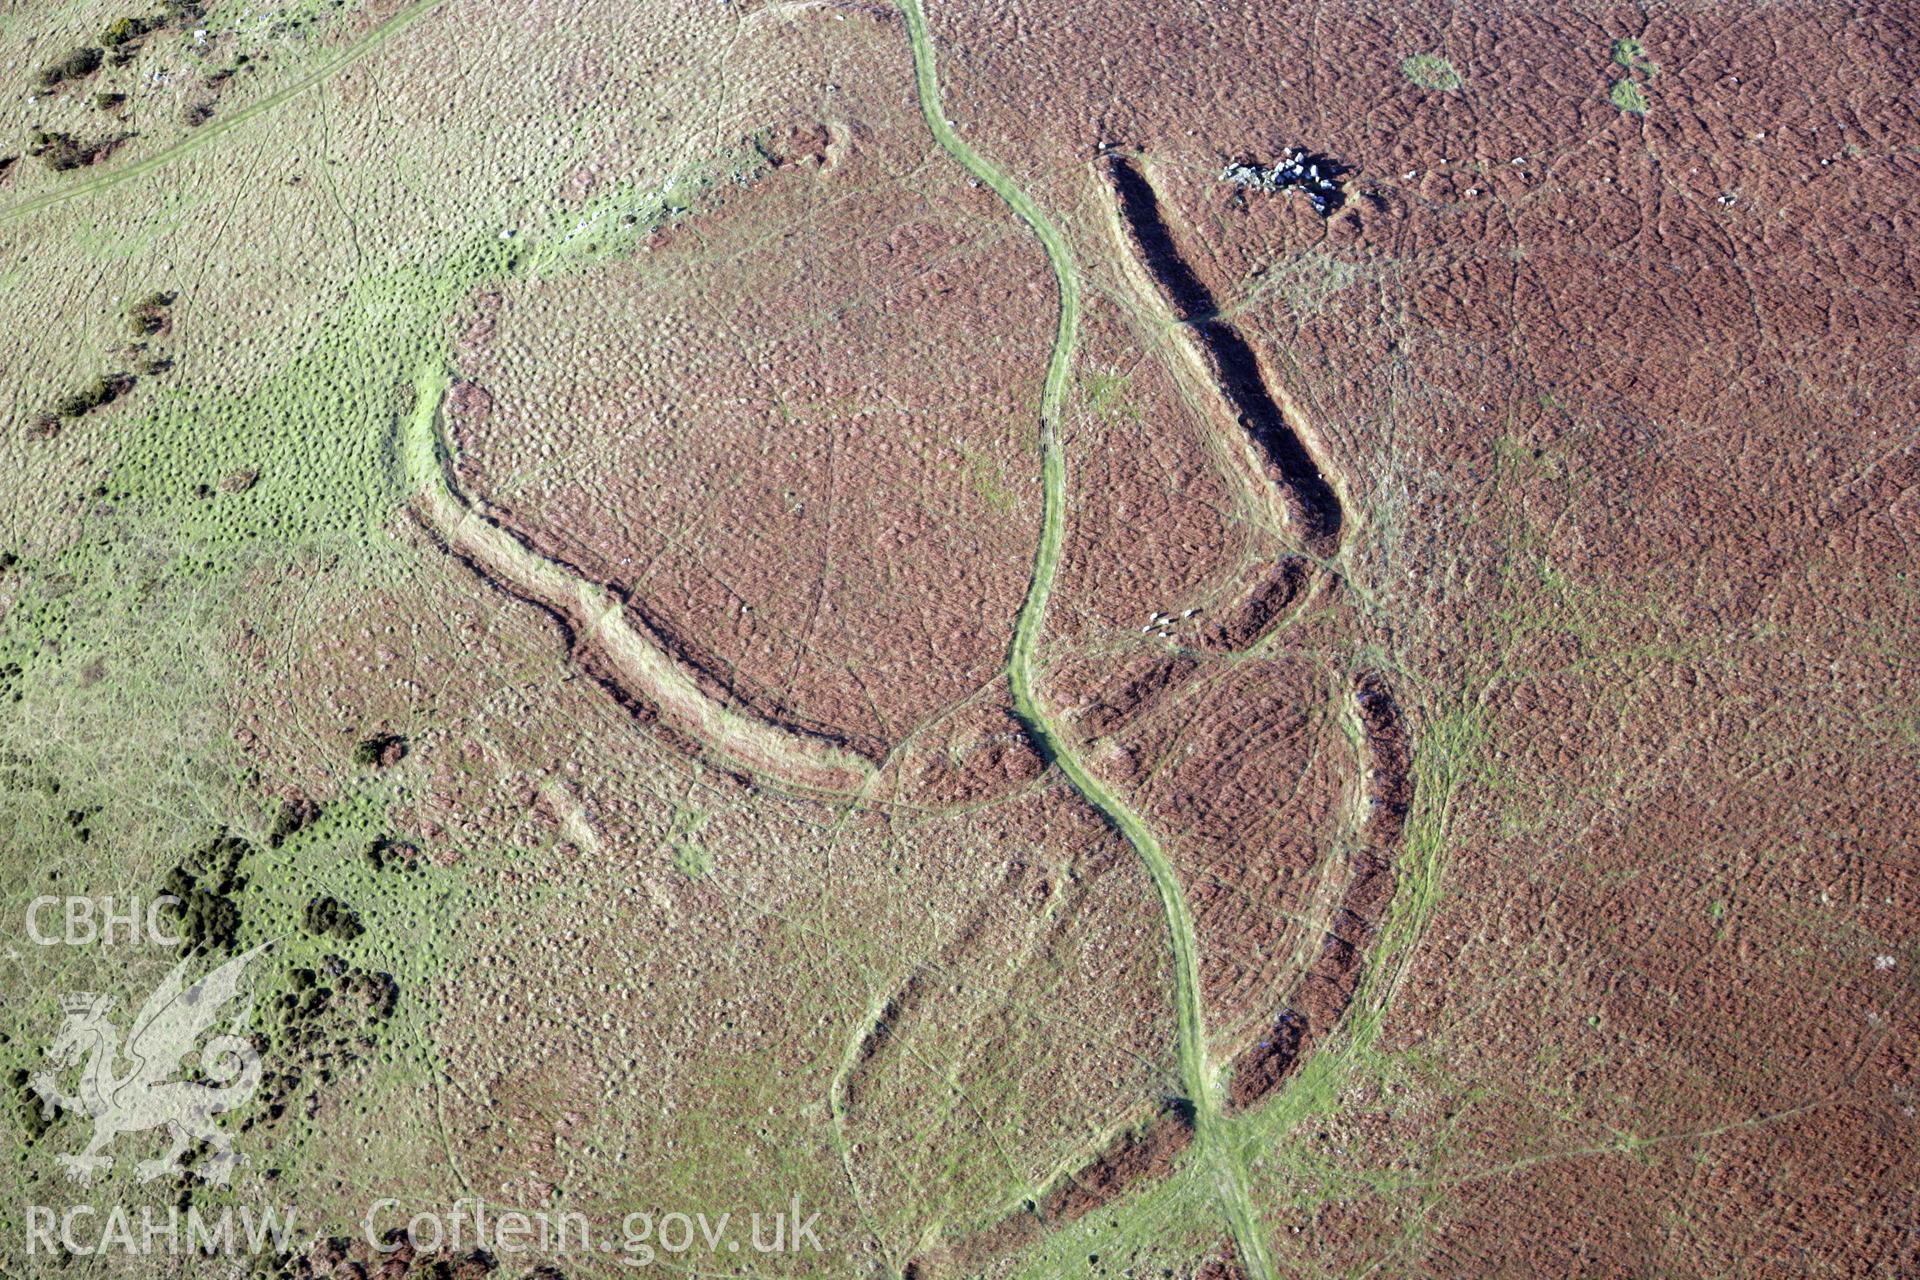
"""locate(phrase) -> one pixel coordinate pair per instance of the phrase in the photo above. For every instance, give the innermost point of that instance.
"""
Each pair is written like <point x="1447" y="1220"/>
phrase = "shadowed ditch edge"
<point x="1236" y="367"/>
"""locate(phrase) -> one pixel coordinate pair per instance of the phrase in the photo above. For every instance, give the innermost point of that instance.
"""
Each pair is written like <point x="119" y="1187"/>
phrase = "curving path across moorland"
<point x="1197" y="1072"/>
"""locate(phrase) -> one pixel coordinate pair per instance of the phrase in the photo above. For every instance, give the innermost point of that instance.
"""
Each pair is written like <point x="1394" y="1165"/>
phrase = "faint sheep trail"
<point x="1196" y="1071"/>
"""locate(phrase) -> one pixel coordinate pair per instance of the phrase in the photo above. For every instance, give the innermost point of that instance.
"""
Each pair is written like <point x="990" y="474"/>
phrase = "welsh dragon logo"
<point x="142" y="1096"/>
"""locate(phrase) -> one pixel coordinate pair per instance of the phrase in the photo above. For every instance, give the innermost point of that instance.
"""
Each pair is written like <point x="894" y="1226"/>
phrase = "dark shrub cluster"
<point x="103" y="390"/>
<point x="74" y="64"/>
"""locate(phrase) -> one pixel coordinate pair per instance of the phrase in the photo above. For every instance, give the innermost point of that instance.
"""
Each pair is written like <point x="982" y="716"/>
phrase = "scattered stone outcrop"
<point x="1317" y="176"/>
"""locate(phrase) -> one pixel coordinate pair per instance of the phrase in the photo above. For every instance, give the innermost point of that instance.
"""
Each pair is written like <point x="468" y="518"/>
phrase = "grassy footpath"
<point x="1196" y="1069"/>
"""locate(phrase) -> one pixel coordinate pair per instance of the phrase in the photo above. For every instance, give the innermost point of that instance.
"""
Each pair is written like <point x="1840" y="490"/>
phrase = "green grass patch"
<point x="1629" y="97"/>
<point x="1307" y="283"/>
<point x="988" y="479"/>
<point x="1631" y="54"/>
<point x="691" y="858"/>
<point x="1430" y="71"/>
<point x="1104" y="391"/>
